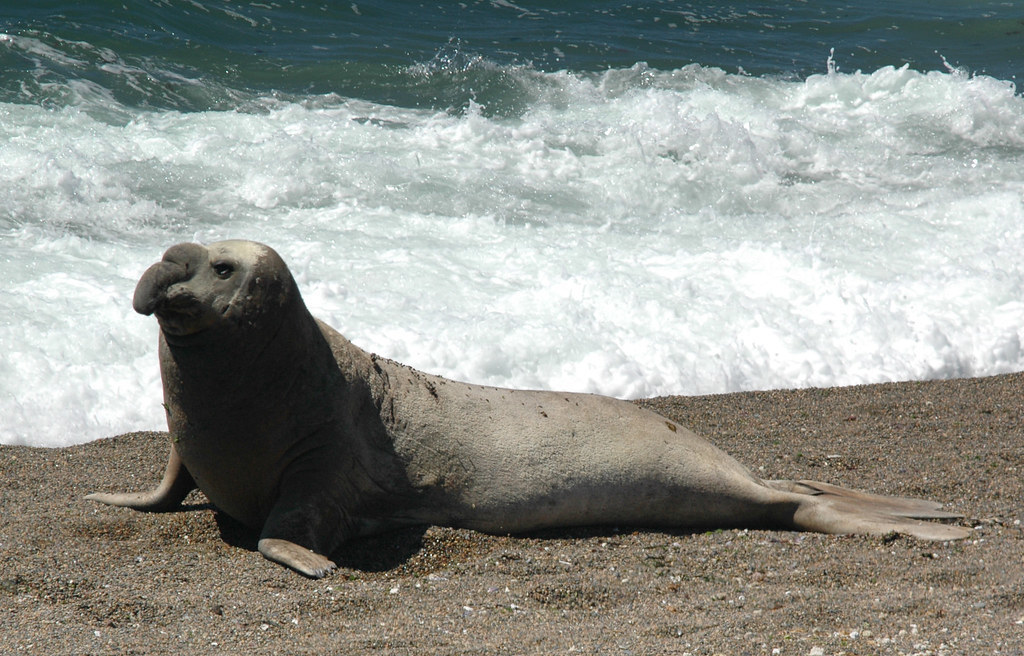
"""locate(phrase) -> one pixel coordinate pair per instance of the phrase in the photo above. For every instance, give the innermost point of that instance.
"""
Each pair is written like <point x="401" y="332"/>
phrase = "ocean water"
<point x="630" y="199"/>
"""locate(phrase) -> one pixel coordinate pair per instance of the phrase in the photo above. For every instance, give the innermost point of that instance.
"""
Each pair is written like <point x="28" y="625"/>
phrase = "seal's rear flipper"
<point x="825" y="515"/>
<point x="839" y="510"/>
<point x="899" y="506"/>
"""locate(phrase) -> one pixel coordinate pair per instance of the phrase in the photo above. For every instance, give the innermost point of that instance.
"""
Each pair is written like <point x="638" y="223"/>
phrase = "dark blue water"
<point x="220" y="55"/>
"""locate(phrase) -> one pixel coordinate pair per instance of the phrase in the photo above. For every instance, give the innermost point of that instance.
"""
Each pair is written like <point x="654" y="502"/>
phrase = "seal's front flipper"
<point x="304" y="523"/>
<point x="300" y="559"/>
<point x="173" y="489"/>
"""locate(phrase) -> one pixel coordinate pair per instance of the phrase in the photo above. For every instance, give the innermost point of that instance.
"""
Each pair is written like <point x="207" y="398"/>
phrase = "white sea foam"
<point x="633" y="233"/>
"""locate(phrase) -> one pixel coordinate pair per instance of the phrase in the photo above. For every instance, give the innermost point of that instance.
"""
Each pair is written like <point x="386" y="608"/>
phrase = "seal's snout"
<point x="152" y="288"/>
<point x="186" y="255"/>
<point x="179" y="264"/>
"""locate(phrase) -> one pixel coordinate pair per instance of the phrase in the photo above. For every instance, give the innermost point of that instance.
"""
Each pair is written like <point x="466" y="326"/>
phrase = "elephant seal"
<point x="289" y="428"/>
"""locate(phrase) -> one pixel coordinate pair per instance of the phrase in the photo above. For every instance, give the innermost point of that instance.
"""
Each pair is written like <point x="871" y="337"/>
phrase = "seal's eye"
<point x="223" y="269"/>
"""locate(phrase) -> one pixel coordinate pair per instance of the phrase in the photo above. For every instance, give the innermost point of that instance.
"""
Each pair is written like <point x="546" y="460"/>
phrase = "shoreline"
<point x="77" y="577"/>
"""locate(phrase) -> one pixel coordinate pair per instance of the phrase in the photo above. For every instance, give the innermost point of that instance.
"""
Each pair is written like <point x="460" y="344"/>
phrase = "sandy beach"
<point x="80" y="578"/>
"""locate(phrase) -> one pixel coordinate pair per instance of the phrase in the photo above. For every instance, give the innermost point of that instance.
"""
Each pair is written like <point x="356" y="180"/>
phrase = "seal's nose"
<point x="179" y="264"/>
<point x="186" y="255"/>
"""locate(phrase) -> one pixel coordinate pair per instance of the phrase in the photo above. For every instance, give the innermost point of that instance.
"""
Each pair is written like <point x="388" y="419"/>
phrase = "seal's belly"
<point x="232" y="480"/>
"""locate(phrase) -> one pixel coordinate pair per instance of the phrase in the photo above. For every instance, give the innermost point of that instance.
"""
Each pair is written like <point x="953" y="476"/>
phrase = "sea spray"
<point x="698" y="200"/>
<point x="633" y="233"/>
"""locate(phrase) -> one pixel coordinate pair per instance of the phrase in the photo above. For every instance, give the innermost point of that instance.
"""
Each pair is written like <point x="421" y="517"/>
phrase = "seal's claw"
<point x="301" y="559"/>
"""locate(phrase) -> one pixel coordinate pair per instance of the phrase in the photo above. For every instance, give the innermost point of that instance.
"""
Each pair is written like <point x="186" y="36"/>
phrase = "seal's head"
<point x="212" y="290"/>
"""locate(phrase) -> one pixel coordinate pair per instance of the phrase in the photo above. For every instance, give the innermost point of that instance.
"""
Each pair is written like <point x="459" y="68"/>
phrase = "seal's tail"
<point x="839" y="510"/>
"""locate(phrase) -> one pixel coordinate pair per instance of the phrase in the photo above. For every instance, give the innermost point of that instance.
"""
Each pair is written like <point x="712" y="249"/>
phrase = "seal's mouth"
<point x="182" y="314"/>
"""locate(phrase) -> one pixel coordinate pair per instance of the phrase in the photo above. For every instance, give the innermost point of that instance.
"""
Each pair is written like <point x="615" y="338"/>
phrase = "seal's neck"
<point x="246" y="366"/>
